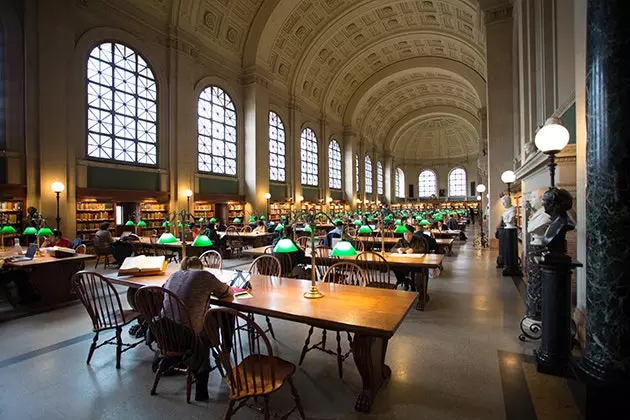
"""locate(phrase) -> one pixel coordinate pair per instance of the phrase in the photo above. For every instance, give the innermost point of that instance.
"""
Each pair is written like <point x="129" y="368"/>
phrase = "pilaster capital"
<point x="349" y="132"/>
<point x="294" y="104"/>
<point x="255" y="75"/>
<point x="497" y="13"/>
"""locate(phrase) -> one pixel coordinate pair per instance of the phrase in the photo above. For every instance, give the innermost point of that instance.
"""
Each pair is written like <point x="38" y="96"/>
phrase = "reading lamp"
<point x="237" y="221"/>
<point x="45" y="231"/>
<point x="130" y="223"/>
<point x="142" y="224"/>
<point x="285" y="246"/>
<point x="202" y="241"/>
<point x="401" y="229"/>
<point x="365" y="230"/>
<point x="31" y="230"/>
<point x="6" y="230"/>
<point x="167" y="238"/>
<point x="343" y="249"/>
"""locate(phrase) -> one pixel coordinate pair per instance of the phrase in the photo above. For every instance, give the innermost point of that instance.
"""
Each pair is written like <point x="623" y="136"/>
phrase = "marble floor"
<point x="459" y="359"/>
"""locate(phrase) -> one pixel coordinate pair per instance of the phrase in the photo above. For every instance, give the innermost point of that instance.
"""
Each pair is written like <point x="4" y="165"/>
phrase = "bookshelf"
<point x="235" y="209"/>
<point x="278" y="209"/>
<point x="312" y="207"/>
<point x="153" y="215"/>
<point x="338" y="207"/>
<point x="13" y="211"/>
<point x="90" y="215"/>
<point x="203" y="210"/>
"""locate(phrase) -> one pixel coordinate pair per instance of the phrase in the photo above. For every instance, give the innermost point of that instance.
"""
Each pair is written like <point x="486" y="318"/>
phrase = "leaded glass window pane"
<point x="400" y="183"/>
<point x="379" y="178"/>
<point x="308" y="157"/>
<point x="457" y="183"/>
<point x="276" y="148"/>
<point x="334" y="165"/>
<point x="216" y="132"/>
<point x="427" y="184"/>
<point x="368" y="175"/>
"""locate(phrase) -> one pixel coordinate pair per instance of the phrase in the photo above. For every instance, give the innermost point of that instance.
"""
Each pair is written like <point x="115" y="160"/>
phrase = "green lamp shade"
<point x="365" y="230"/>
<point x="401" y="229"/>
<point x="285" y="246"/>
<point x="213" y="220"/>
<point x="142" y="223"/>
<point x="337" y="221"/>
<point x="237" y="220"/>
<point x="130" y="223"/>
<point x="398" y="222"/>
<point x="201" y="220"/>
<point x="343" y="249"/>
<point x="8" y="230"/>
<point x="201" y="241"/>
<point x="167" y="238"/>
<point x="388" y="217"/>
<point x="167" y="224"/>
<point x="370" y="218"/>
<point x="424" y="222"/>
<point x="418" y="218"/>
<point x="252" y="219"/>
<point x="180" y="225"/>
<point x="307" y="229"/>
<point x="283" y="217"/>
<point x="45" y="231"/>
<point x="30" y="231"/>
<point x="279" y="228"/>
<point x="357" y="223"/>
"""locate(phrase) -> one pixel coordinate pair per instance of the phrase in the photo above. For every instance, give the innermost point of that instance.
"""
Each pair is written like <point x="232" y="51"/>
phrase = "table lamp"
<point x="279" y="228"/>
<point x="213" y="220"/>
<point x="237" y="220"/>
<point x="31" y="230"/>
<point x="167" y="238"/>
<point x="357" y="222"/>
<point x="6" y="230"/>
<point x="130" y="223"/>
<point x="424" y="222"/>
<point x="398" y="222"/>
<point x="202" y="241"/>
<point x="251" y="219"/>
<point x="401" y="229"/>
<point x="343" y="249"/>
<point x="365" y="230"/>
<point x="142" y="224"/>
<point x="307" y="229"/>
<point x="45" y="231"/>
<point x="285" y="246"/>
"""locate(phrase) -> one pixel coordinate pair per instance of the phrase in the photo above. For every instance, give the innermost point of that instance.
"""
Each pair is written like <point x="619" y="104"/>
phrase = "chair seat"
<point x="252" y="367"/>
<point x="127" y="315"/>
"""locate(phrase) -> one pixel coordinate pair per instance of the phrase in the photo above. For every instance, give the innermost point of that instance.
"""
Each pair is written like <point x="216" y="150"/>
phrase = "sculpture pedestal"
<point x="509" y="242"/>
<point x="531" y="323"/>
<point x="501" y="257"/>
<point x="555" y="349"/>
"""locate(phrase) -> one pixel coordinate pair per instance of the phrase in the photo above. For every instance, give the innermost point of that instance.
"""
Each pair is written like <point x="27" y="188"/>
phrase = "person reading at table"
<point x="56" y="240"/>
<point x="408" y="244"/>
<point x="452" y="224"/>
<point x="335" y="233"/>
<point x="260" y="228"/>
<point x="422" y="230"/>
<point x="103" y="238"/>
<point x="194" y="286"/>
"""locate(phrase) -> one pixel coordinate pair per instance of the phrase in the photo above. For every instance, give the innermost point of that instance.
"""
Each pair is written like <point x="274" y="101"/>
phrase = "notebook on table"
<point x="143" y="265"/>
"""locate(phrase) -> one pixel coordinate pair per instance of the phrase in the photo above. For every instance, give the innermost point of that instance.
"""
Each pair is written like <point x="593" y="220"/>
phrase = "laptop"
<point x="30" y="254"/>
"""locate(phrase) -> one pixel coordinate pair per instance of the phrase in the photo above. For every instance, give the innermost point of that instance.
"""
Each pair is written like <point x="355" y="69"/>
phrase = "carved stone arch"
<point x="477" y="81"/>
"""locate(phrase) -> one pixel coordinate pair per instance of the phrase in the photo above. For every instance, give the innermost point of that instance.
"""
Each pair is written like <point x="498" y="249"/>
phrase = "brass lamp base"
<point x="314" y="293"/>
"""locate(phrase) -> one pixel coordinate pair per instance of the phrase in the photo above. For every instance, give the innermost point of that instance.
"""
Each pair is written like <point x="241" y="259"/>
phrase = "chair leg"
<point x="98" y="257"/>
<point x="230" y="411"/>
<point x="270" y="327"/>
<point x="92" y="348"/>
<point x="339" y="355"/>
<point x="189" y="381"/>
<point x="324" y="339"/>
<point x="157" y="377"/>
<point x="266" y="402"/>
<point x="296" y="398"/>
<point x="306" y="343"/>
<point x="118" y="346"/>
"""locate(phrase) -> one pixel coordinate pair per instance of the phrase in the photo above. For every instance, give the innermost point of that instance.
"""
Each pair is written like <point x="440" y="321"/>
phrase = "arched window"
<point x="216" y="132"/>
<point x="457" y="183"/>
<point x="356" y="167"/>
<point x="121" y="106"/>
<point x="379" y="178"/>
<point x="427" y="184"/>
<point x="308" y="150"/>
<point x="2" y="91"/>
<point x="400" y="183"/>
<point x="334" y="165"/>
<point x="368" y="175"/>
<point x="277" y="150"/>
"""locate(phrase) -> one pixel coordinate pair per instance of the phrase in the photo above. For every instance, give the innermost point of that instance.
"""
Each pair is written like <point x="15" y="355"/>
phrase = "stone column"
<point x="350" y="139"/>
<point x="607" y="353"/>
<point x="293" y="143"/>
<point x="388" y="177"/>
<point x="256" y="106"/>
<point x="324" y="188"/>
<point x="499" y="35"/>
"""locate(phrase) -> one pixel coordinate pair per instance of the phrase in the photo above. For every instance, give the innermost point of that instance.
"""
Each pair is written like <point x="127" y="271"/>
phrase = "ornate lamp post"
<point x="267" y="197"/>
<point x="482" y="240"/>
<point x="188" y="194"/>
<point x="58" y="188"/>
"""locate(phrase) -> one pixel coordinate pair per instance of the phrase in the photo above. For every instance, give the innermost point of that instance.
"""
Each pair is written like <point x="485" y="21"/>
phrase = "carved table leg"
<point x="422" y="282"/>
<point x="369" y="356"/>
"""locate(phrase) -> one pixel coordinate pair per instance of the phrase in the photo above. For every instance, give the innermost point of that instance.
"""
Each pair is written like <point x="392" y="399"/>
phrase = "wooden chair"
<point x="103" y="305"/>
<point x="322" y="261"/>
<point x="269" y="249"/>
<point x="377" y="272"/>
<point x="303" y="242"/>
<point x="341" y="273"/>
<point x="171" y="326"/>
<point x="388" y="232"/>
<point x="102" y="254"/>
<point x="359" y="246"/>
<point x="251" y="368"/>
<point x="211" y="259"/>
<point x="266" y="265"/>
<point x="234" y="240"/>
<point x="81" y="249"/>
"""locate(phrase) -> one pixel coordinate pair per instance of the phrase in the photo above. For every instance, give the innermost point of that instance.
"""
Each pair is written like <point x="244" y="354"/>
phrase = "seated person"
<point x="254" y="225"/>
<point x="194" y="230"/>
<point x="289" y="260"/>
<point x="221" y="227"/>
<point x="451" y="223"/>
<point x="194" y="286"/>
<point x="439" y="225"/>
<point x="261" y="228"/>
<point x="103" y="239"/>
<point x="432" y="242"/>
<point x="56" y="240"/>
<point x="335" y="233"/>
<point x="408" y="244"/>
<point x="211" y="233"/>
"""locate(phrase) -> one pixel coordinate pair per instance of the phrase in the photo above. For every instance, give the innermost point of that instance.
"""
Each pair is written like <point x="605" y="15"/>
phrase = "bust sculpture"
<point x="509" y="214"/>
<point x="557" y="202"/>
<point x="538" y="221"/>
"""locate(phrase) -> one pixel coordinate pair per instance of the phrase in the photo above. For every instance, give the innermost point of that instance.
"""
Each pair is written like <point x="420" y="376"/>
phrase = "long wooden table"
<point x="373" y="315"/>
<point x="51" y="277"/>
<point x="446" y="233"/>
<point x="255" y="239"/>
<point x="444" y="244"/>
<point x="418" y="264"/>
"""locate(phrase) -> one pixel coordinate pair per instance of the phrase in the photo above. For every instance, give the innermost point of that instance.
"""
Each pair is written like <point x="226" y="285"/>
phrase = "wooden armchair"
<point x="303" y="242"/>
<point x="266" y="265"/>
<point x="234" y="241"/>
<point x="376" y="269"/>
<point x="211" y="259"/>
<point x="341" y="273"/>
<point x="247" y="358"/>
<point x="171" y="326"/>
<point x="100" y="299"/>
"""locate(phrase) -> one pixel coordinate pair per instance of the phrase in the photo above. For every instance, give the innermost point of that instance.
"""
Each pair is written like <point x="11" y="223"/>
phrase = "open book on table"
<point x="143" y="265"/>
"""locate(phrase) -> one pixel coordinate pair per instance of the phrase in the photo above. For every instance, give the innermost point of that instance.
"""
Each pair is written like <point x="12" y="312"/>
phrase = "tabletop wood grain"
<point x="46" y="259"/>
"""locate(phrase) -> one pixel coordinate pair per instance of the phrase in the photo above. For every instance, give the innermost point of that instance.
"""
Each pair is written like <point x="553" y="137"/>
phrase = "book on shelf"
<point x="143" y="265"/>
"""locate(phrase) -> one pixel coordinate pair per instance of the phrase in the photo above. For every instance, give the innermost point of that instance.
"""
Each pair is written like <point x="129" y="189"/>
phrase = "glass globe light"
<point x="481" y="188"/>
<point x="508" y="177"/>
<point x="552" y="137"/>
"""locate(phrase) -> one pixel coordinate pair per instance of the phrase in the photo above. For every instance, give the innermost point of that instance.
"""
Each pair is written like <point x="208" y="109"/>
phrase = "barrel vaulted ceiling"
<point x="407" y="75"/>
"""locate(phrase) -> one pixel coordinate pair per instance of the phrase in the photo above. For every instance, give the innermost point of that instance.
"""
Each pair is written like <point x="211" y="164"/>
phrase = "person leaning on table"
<point x="408" y="244"/>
